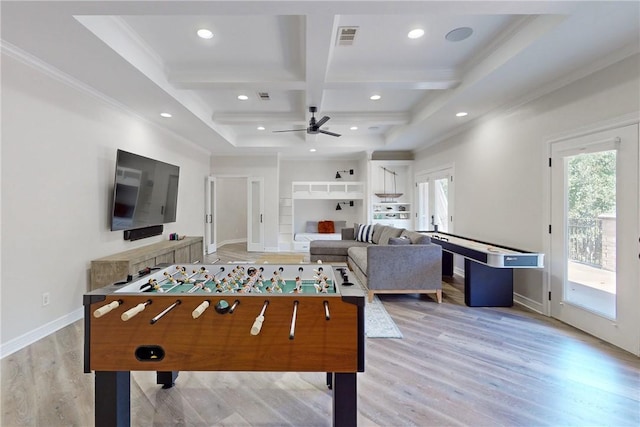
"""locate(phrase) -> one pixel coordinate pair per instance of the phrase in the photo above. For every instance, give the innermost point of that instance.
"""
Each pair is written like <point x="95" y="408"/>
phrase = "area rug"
<point x="377" y="322"/>
<point x="276" y="258"/>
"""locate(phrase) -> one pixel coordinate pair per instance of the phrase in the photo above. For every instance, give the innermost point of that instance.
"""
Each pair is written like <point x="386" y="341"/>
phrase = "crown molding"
<point x="36" y="63"/>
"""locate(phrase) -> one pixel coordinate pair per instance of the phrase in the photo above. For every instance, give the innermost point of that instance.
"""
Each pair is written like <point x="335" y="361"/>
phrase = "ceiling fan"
<point x="314" y="127"/>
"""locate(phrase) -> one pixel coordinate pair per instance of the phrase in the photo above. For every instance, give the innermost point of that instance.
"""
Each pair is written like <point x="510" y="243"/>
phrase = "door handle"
<point x="260" y="218"/>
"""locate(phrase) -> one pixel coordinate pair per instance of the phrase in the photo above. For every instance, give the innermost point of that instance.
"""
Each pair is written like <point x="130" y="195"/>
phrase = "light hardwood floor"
<point x="455" y="366"/>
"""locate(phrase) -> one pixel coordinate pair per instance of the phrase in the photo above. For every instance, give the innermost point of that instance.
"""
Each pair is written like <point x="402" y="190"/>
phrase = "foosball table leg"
<point x="345" y="400"/>
<point x="329" y="380"/>
<point x="166" y="378"/>
<point x="112" y="399"/>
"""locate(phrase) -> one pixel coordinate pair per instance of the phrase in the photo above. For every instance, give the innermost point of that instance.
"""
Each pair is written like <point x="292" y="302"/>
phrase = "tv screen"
<point x="145" y="192"/>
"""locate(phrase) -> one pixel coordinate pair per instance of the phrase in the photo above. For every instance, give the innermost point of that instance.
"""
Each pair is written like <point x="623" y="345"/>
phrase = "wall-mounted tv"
<point x="145" y="192"/>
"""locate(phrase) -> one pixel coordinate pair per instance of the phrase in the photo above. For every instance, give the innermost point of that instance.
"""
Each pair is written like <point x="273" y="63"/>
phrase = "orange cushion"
<point x="326" y="227"/>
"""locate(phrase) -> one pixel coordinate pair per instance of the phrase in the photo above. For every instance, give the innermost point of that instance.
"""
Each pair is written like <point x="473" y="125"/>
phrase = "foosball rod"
<point x="106" y="308"/>
<point x="292" y="331"/>
<point x="233" y="307"/>
<point x="326" y="310"/>
<point x="135" y="310"/>
<point x="257" y="324"/>
<point x="165" y="311"/>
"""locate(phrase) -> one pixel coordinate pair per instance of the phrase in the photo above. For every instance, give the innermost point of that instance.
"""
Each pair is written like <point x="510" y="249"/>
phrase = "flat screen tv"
<point x="145" y="192"/>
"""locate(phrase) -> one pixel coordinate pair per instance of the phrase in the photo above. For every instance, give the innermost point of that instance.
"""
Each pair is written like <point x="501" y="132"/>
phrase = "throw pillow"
<point x="377" y="230"/>
<point x="325" y="227"/>
<point x="388" y="233"/>
<point x="416" y="238"/>
<point x="399" y="241"/>
<point x="365" y="233"/>
<point x="312" y="227"/>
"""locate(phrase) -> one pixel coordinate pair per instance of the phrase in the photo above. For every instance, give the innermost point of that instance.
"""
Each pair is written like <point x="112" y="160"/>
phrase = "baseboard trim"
<point x="528" y="303"/>
<point x="30" y="337"/>
<point x="230" y="242"/>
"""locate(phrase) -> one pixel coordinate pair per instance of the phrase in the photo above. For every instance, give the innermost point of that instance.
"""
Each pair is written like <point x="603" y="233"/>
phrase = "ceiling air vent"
<point x="264" y="96"/>
<point x="346" y="36"/>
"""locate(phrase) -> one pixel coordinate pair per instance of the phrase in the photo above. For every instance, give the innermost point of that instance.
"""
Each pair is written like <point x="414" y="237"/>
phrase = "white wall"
<point x="501" y="163"/>
<point x="58" y="163"/>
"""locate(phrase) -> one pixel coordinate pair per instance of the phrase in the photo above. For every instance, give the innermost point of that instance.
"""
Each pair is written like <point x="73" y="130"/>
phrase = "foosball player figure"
<point x="298" y="287"/>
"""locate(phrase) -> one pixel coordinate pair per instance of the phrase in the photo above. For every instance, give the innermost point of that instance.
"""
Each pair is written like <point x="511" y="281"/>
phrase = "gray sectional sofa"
<point x="396" y="261"/>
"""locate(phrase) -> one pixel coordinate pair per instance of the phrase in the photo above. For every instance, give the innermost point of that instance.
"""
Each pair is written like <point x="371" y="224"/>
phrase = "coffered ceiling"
<point x="285" y="57"/>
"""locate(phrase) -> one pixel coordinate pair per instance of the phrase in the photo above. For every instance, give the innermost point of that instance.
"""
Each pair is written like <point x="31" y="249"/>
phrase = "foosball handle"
<point x="200" y="309"/>
<point x="106" y="308"/>
<point x="132" y="312"/>
<point x="257" y="325"/>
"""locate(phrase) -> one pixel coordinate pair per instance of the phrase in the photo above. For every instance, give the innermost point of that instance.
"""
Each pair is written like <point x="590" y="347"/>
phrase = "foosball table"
<point x="225" y="317"/>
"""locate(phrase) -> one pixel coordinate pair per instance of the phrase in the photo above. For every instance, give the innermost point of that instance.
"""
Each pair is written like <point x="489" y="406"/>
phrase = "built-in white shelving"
<point x="391" y="193"/>
<point x="328" y="190"/>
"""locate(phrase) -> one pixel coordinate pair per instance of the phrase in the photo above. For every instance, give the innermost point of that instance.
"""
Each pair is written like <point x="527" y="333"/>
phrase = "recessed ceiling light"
<point x="243" y="97"/>
<point x="165" y="115"/>
<point x="416" y="33"/>
<point x="375" y="97"/>
<point x="313" y="150"/>
<point x="459" y="34"/>
<point x="203" y="33"/>
<point x="354" y="128"/>
<point x="261" y="127"/>
<point x="461" y="114"/>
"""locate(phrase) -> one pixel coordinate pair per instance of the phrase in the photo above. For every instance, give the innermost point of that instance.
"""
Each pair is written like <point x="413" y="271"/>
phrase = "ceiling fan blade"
<point x="328" y="133"/>
<point x="322" y="121"/>
<point x="288" y="130"/>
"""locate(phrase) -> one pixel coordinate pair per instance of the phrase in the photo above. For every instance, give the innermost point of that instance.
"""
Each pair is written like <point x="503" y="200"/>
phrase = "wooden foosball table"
<point x="226" y="317"/>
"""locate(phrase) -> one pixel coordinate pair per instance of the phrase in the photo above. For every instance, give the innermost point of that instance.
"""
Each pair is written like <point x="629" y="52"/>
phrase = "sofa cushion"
<point x="399" y="241"/>
<point x="339" y="225"/>
<point x="311" y="227"/>
<point x="416" y="238"/>
<point x="365" y="233"/>
<point x="333" y="247"/>
<point x="358" y="255"/>
<point x="387" y="233"/>
<point x="377" y="231"/>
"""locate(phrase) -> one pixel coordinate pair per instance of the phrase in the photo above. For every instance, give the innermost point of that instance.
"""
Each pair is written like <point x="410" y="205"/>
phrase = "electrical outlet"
<point x="45" y="299"/>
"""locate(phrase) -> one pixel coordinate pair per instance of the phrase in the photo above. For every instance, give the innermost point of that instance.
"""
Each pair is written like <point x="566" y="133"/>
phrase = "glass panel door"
<point x="441" y="203"/>
<point x="434" y="193"/>
<point x="595" y="229"/>
<point x="591" y="231"/>
<point x="255" y="226"/>
<point x="422" y="216"/>
<point x="210" y="216"/>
